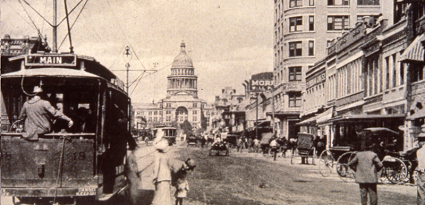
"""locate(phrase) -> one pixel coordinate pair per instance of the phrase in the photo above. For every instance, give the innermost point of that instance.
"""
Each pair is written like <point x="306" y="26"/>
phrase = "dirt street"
<point x="248" y="178"/>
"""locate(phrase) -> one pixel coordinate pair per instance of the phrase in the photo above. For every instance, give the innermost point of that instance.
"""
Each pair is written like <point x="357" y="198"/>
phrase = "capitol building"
<point x="181" y="102"/>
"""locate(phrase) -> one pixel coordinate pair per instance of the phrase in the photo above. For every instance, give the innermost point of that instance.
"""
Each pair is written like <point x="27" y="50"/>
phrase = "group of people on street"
<point x="169" y="172"/>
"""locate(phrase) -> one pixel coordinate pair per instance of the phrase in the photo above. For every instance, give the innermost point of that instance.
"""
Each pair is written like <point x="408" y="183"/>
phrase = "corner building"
<point x="303" y="30"/>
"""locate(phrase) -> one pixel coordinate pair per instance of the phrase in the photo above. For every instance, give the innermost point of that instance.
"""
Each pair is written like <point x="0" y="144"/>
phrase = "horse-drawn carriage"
<point x="219" y="148"/>
<point x="385" y="142"/>
<point x="304" y="148"/>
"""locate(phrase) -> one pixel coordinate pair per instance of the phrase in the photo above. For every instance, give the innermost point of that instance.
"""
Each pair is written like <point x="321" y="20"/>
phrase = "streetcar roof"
<point x="50" y="72"/>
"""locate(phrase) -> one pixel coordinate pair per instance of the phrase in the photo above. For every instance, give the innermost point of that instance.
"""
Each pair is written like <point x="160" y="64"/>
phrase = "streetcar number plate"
<point x="86" y="191"/>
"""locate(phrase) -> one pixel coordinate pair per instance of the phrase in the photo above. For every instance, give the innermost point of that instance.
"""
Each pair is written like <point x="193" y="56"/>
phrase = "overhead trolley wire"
<point x="37" y="12"/>
<point x="17" y="13"/>
<point x="75" y="21"/>
<point x="30" y="17"/>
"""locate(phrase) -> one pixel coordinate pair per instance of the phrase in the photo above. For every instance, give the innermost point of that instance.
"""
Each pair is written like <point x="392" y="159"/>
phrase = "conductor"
<point x="38" y="115"/>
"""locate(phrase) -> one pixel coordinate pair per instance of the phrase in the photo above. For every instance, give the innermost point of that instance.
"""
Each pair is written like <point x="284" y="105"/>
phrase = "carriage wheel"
<point x="395" y="169"/>
<point x="342" y="168"/>
<point x="326" y="161"/>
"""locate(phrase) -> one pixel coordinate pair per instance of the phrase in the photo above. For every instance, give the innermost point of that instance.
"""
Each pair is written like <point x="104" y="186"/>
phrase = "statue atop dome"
<point x="182" y="60"/>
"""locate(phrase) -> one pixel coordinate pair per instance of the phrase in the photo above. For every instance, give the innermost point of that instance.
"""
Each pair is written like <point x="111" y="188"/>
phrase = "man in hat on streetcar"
<point x="39" y="115"/>
<point x="420" y="154"/>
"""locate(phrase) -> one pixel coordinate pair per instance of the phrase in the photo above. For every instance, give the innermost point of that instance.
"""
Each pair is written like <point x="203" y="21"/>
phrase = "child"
<point x="181" y="190"/>
<point x="178" y="178"/>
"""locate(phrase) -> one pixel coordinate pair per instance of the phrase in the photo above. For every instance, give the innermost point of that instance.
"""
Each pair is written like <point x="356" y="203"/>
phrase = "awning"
<point x="325" y="116"/>
<point x="309" y="121"/>
<point x="49" y="72"/>
<point x="415" y="51"/>
<point x="418" y="114"/>
<point x="356" y="118"/>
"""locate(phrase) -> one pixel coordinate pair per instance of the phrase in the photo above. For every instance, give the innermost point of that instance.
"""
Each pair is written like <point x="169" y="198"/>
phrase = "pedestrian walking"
<point x="161" y="172"/>
<point x="366" y="164"/>
<point x="239" y="144"/>
<point x="256" y="145"/>
<point x="39" y="115"/>
<point x="420" y="154"/>
<point x="273" y="147"/>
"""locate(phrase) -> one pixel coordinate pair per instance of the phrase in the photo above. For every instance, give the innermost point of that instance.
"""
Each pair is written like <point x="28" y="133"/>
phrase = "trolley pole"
<point x="55" y="27"/>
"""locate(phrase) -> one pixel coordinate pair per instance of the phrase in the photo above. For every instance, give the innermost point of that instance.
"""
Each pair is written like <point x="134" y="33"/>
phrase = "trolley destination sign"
<point x="51" y="60"/>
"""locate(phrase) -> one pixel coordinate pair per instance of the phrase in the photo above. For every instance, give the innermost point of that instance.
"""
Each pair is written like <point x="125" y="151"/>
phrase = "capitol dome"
<point x="182" y="60"/>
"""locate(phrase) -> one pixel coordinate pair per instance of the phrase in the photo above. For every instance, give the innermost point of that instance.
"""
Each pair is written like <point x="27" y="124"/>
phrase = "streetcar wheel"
<point x="342" y="168"/>
<point x="396" y="170"/>
<point x="326" y="162"/>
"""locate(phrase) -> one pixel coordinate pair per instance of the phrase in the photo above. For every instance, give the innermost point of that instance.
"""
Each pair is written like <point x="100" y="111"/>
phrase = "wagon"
<point x="304" y="148"/>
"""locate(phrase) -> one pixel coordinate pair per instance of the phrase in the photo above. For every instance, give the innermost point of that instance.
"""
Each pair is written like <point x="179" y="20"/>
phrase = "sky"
<point x="227" y="40"/>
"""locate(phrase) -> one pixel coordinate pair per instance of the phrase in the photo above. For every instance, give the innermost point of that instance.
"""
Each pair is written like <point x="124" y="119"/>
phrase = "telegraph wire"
<point x="72" y="11"/>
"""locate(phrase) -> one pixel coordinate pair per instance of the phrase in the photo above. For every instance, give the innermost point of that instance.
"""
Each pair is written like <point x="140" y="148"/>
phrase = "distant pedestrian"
<point x="239" y="144"/>
<point x="366" y="164"/>
<point x="256" y="145"/>
<point x="420" y="154"/>
<point x="147" y="140"/>
<point x="273" y="147"/>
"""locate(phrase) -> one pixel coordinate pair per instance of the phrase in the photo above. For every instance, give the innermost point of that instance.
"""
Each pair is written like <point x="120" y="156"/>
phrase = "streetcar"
<point x="82" y="163"/>
<point x="170" y="133"/>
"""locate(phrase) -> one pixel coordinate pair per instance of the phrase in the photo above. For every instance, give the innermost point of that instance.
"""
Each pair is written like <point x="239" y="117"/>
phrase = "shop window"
<point x="295" y="74"/>
<point x="311" y="23"/>
<point x="295" y="24"/>
<point x="367" y="2"/>
<point x="295" y="3"/>
<point x="294" y="99"/>
<point x="338" y="23"/>
<point x="311" y="48"/>
<point x="295" y="49"/>
<point x="338" y="2"/>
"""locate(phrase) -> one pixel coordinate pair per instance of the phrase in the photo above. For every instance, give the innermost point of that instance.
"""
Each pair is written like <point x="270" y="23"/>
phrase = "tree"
<point x="187" y="127"/>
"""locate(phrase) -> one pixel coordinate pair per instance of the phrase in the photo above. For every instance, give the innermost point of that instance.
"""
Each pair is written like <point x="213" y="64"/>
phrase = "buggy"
<point x="219" y="148"/>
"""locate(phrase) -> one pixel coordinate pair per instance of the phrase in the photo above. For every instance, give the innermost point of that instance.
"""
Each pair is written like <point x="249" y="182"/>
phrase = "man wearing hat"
<point x="38" y="115"/>
<point x="420" y="154"/>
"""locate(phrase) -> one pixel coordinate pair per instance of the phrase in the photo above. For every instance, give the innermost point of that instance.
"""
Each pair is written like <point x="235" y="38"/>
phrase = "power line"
<point x="75" y="21"/>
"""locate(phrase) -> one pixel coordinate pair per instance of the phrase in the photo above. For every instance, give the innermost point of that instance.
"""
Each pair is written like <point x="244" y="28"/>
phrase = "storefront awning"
<point x="325" y="116"/>
<point x="309" y="121"/>
<point x="418" y="114"/>
<point x="363" y="117"/>
<point x="415" y="51"/>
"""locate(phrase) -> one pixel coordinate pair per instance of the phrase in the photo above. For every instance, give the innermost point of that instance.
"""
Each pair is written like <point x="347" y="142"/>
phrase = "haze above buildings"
<point x="228" y="40"/>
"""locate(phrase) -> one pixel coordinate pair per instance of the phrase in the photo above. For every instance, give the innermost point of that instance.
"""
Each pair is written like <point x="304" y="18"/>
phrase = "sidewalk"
<point x="313" y="171"/>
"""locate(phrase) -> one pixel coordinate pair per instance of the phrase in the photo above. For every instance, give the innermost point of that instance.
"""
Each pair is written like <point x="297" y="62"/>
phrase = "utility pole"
<point x="273" y="111"/>
<point x="256" y="115"/>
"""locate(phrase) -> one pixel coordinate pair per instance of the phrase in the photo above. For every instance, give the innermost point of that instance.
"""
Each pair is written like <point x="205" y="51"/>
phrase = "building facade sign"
<point x="51" y="60"/>
<point x="262" y="82"/>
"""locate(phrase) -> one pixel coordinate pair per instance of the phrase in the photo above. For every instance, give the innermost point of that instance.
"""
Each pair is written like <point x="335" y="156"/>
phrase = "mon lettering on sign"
<point x="51" y="60"/>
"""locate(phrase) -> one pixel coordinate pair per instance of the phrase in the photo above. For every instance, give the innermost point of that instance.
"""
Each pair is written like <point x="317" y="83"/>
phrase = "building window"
<point x="195" y="104"/>
<point x="311" y="23"/>
<point x="155" y="113"/>
<point x="150" y="119"/>
<point x="311" y="2"/>
<point x="338" y="22"/>
<point x="150" y="112"/>
<point x="295" y="49"/>
<point x="294" y="99"/>
<point x="295" y="74"/>
<point x="367" y="2"/>
<point x="195" y="119"/>
<point x="295" y="24"/>
<point x="195" y="112"/>
<point x="338" y="2"/>
<point x="160" y="112"/>
<point x="168" y="105"/>
<point x="311" y="48"/>
<point x="168" y="112"/>
<point x="295" y="3"/>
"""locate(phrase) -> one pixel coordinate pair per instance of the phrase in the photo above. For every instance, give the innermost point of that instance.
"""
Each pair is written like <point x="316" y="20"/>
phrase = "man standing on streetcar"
<point x="38" y="115"/>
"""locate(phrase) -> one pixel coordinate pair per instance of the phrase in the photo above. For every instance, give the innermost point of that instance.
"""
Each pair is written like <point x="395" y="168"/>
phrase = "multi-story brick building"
<point x="303" y="31"/>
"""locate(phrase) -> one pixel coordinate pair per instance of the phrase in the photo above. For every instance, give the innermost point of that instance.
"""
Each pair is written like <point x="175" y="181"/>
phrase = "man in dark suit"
<point x="366" y="164"/>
